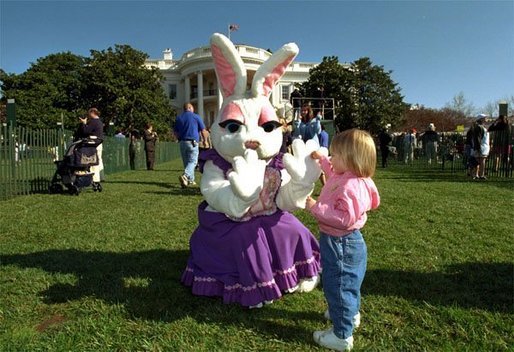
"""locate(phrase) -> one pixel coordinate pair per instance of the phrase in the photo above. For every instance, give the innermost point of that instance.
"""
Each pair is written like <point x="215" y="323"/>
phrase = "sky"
<point x="435" y="49"/>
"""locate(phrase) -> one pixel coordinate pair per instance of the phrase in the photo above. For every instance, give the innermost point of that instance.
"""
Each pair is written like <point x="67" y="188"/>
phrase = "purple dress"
<point x="252" y="259"/>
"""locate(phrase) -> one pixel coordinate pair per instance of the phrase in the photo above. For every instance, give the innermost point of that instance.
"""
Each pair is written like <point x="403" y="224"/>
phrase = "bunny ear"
<point x="273" y="69"/>
<point x="229" y="67"/>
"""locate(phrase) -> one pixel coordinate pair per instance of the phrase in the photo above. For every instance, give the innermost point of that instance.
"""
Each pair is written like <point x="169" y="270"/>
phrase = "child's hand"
<point x="316" y="155"/>
<point x="309" y="203"/>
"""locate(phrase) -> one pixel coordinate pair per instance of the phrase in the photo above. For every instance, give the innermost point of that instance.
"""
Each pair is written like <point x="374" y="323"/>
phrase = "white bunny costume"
<point x="248" y="248"/>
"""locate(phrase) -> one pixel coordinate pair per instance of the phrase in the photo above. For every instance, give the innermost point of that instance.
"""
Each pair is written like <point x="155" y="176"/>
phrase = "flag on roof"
<point x="233" y="27"/>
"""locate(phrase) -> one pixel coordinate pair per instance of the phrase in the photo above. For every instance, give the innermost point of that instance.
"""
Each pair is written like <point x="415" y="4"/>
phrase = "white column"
<point x="187" y="86"/>
<point x="199" y="77"/>
<point x="220" y="98"/>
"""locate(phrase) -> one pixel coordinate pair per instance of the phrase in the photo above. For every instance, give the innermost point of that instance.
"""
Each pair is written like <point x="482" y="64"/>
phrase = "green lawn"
<point x="100" y="272"/>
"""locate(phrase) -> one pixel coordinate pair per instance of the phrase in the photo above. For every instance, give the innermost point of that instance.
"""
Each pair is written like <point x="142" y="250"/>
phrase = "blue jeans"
<point x="189" y="155"/>
<point x="343" y="260"/>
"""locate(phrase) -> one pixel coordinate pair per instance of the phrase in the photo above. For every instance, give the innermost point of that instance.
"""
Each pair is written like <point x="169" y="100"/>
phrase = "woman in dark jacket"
<point x="150" y="138"/>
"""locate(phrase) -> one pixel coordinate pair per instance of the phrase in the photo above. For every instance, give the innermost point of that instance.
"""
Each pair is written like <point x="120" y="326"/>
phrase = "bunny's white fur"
<point x="234" y="194"/>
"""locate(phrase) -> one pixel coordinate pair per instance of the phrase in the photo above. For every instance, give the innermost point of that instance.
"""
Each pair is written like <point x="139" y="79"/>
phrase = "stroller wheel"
<point x="55" y="188"/>
<point x="74" y="190"/>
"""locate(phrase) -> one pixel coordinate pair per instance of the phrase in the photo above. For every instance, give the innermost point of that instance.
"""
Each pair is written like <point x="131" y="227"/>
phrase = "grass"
<point x="100" y="272"/>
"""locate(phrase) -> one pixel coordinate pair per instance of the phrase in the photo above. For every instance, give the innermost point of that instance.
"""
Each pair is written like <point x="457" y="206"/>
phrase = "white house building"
<point x="192" y="78"/>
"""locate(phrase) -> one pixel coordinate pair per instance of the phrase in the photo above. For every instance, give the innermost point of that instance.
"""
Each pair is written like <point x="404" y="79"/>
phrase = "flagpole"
<point x="228" y="30"/>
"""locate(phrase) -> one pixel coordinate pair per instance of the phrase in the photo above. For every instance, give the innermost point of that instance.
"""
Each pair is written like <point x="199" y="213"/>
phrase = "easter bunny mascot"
<point x="248" y="248"/>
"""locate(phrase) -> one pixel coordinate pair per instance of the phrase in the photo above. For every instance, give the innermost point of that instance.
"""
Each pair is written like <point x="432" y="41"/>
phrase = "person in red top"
<point x="341" y="212"/>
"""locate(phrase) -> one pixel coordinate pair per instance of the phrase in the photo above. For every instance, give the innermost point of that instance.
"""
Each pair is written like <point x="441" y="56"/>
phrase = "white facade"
<point x="192" y="78"/>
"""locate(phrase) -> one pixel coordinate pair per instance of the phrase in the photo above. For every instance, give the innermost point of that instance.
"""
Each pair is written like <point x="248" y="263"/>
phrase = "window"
<point x="172" y="89"/>
<point x="285" y="92"/>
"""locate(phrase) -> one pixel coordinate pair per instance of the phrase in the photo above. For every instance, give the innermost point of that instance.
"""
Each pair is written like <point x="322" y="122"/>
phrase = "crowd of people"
<point x="474" y="148"/>
<point x="409" y="145"/>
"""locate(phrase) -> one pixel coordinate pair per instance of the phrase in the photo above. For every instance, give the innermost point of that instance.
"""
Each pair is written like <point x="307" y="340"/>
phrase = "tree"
<point x="113" y="80"/>
<point x="126" y="92"/>
<point x="444" y="119"/>
<point x="492" y="107"/>
<point x="366" y="96"/>
<point x="51" y="87"/>
<point x="330" y="76"/>
<point x="461" y="104"/>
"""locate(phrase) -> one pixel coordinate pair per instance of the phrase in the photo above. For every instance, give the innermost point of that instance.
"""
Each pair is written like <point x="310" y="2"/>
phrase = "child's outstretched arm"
<point x="309" y="203"/>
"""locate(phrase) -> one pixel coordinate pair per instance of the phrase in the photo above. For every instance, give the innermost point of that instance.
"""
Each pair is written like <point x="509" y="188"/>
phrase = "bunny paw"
<point x="247" y="175"/>
<point x="302" y="168"/>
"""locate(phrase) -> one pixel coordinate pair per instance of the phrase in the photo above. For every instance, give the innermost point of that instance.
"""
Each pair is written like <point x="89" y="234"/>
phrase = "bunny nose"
<point x="252" y="144"/>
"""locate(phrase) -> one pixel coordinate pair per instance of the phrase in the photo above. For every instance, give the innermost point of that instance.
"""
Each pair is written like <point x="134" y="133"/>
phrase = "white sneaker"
<point x="327" y="338"/>
<point x="307" y="285"/>
<point x="356" y="318"/>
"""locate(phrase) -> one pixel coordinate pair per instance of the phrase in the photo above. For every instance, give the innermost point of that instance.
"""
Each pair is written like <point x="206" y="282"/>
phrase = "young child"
<point x="341" y="212"/>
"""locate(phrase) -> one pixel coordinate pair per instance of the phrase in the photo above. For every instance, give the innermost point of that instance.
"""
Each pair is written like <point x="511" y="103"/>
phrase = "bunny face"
<point x="247" y="120"/>
<point x="248" y="123"/>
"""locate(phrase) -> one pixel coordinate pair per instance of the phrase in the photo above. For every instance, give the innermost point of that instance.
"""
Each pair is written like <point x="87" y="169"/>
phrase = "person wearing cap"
<point x="480" y="140"/>
<point x="430" y="139"/>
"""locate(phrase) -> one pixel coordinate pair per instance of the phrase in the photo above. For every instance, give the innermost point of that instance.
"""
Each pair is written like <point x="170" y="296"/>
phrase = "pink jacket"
<point x="344" y="200"/>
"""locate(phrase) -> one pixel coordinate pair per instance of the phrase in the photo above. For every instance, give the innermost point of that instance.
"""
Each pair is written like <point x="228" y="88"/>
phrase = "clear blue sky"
<point x="436" y="49"/>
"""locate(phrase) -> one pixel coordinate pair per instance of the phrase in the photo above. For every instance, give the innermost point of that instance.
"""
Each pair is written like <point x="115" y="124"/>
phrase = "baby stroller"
<point x="73" y="172"/>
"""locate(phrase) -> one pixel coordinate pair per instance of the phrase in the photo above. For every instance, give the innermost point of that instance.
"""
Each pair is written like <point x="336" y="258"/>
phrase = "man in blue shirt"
<point x="188" y="129"/>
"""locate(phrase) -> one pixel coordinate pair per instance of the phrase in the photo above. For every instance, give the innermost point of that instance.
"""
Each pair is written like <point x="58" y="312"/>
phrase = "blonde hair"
<point x="357" y="151"/>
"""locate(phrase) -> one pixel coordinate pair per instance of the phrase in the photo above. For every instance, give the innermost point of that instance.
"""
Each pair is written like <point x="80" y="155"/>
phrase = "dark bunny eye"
<point x="231" y="125"/>
<point x="270" y="126"/>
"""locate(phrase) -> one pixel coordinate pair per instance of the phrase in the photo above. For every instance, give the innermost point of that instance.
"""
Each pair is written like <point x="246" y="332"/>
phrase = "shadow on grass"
<point x="486" y="286"/>
<point x="178" y="191"/>
<point x="147" y="283"/>
<point x="147" y="183"/>
<point x="171" y="170"/>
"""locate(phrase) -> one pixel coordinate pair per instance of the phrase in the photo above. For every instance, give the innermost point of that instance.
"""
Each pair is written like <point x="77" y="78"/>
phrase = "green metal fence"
<point x="27" y="157"/>
<point x="452" y="154"/>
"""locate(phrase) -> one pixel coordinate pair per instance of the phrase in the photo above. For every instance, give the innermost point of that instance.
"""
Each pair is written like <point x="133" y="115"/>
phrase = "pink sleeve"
<point x="341" y="214"/>
<point x="373" y="192"/>
<point x="326" y="166"/>
<point x="375" y="200"/>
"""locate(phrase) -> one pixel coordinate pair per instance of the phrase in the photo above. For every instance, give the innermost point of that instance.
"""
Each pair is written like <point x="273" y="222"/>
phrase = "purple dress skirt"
<point x="252" y="261"/>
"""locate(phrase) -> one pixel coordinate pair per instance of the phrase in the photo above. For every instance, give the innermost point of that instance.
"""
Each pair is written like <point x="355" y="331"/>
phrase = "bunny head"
<point x="247" y="120"/>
